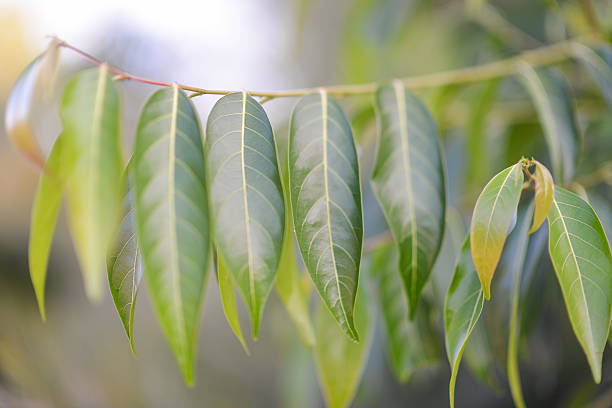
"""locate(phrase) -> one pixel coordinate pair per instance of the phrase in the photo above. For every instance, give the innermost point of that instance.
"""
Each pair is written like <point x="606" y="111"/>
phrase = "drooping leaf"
<point x="90" y="116"/>
<point x="517" y="251"/>
<point x="544" y="193"/>
<point x="172" y="217"/>
<point x="45" y="208"/>
<point x="39" y="75"/>
<point x="288" y="278"/>
<point x="326" y="202"/>
<point x="464" y="303"/>
<point x="124" y="261"/>
<point x="580" y="254"/>
<point x="340" y="361"/>
<point x="412" y="344"/>
<point x="228" y="299"/>
<point x="552" y="100"/>
<point x="408" y="179"/>
<point x="247" y="207"/>
<point x="491" y="221"/>
<point x="599" y="65"/>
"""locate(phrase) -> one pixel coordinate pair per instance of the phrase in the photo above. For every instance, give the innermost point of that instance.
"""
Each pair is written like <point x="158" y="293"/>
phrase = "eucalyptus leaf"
<point x="580" y="254"/>
<point x="491" y="221"/>
<point x="172" y="217"/>
<point x="38" y="76"/>
<point x="247" y="207"/>
<point x="544" y="193"/>
<point x="90" y="116"/>
<point x="599" y="64"/>
<point x="413" y="344"/>
<point x="552" y="99"/>
<point x="408" y="180"/>
<point x="326" y="202"/>
<point x="340" y="361"/>
<point x="45" y="209"/>
<point x="228" y="299"/>
<point x="464" y="304"/>
<point x="124" y="261"/>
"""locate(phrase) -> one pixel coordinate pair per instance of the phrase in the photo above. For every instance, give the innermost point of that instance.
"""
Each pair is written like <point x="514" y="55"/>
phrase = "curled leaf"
<point x="544" y="193"/>
<point x="228" y="299"/>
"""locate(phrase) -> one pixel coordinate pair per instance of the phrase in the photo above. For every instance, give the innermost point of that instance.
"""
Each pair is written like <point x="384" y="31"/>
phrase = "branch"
<point x="545" y="55"/>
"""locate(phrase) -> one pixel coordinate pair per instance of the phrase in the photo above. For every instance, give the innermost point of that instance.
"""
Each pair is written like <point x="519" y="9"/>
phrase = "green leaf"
<point x="172" y="217"/>
<point x="38" y="75"/>
<point x="45" y="208"/>
<point x="124" y="261"/>
<point x="340" y="361"/>
<point x="464" y="303"/>
<point x="517" y="251"/>
<point x="326" y="202"/>
<point x="408" y="180"/>
<point x="288" y="278"/>
<point x="228" y="299"/>
<point x="544" y="193"/>
<point x="90" y="116"/>
<point x="247" y="208"/>
<point x="580" y="254"/>
<point x="599" y="65"/>
<point x="491" y="221"/>
<point x="411" y="344"/>
<point x="552" y="100"/>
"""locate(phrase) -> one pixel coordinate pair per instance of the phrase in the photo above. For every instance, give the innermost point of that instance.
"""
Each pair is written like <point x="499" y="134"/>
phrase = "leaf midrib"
<point x="398" y="88"/>
<point x="324" y="118"/>
<point x="172" y="233"/>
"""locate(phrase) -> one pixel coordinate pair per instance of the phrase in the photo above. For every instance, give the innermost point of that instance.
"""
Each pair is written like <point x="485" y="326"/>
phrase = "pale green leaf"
<point x="228" y="299"/>
<point x="552" y="100"/>
<point x="340" y="361"/>
<point x="464" y="303"/>
<point x="544" y="193"/>
<point x="90" y="116"/>
<point x="45" y="208"/>
<point x="246" y="198"/>
<point x="124" y="262"/>
<point x="412" y="344"/>
<point x="326" y="202"/>
<point x="38" y="76"/>
<point x="492" y="218"/>
<point x="580" y="254"/>
<point x="408" y="180"/>
<point x="288" y="278"/>
<point x="599" y="65"/>
<point x="172" y="217"/>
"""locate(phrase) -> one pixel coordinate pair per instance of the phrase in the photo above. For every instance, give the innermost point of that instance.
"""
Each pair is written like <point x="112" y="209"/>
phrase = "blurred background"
<point x="81" y="357"/>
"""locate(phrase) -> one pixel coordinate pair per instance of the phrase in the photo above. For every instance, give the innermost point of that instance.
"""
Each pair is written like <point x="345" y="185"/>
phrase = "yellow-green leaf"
<point x="491" y="220"/>
<point x="90" y="116"/>
<point x="544" y="193"/>
<point x="340" y="361"/>
<point x="580" y="254"/>
<point x="228" y="299"/>
<point x="462" y="309"/>
<point x="45" y="208"/>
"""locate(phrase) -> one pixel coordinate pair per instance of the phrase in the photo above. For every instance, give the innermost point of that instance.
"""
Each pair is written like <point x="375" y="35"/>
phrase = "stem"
<point x="545" y="55"/>
<point x="590" y="14"/>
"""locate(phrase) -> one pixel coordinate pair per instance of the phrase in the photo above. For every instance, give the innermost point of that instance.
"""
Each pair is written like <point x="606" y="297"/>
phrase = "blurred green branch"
<point x="545" y="55"/>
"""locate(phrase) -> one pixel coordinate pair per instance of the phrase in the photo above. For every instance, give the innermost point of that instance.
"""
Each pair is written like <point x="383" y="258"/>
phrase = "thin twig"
<point x="545" y="55"/>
